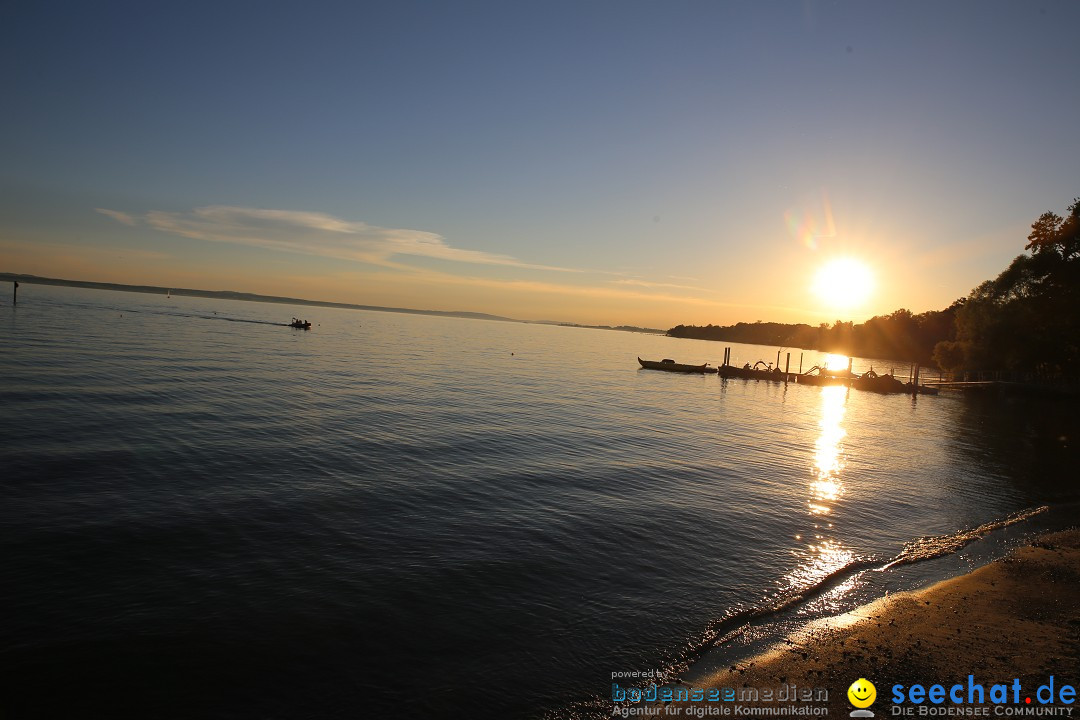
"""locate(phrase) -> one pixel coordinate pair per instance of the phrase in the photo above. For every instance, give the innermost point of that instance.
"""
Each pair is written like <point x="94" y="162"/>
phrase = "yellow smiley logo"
<point x="862" y="693"/>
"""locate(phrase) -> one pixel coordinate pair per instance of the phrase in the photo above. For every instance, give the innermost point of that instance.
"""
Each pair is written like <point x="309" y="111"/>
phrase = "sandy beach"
<point x="1018" y="617"/>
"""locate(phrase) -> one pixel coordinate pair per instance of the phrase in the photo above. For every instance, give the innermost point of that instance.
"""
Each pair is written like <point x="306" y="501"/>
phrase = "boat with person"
<point x="300" y="324"/>
<point x="672" y="366"/>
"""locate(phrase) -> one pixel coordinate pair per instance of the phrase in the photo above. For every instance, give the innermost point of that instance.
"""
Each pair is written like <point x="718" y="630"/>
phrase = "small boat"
<point x="873" y="382"/>
<point x="672" y="366"/>
<point x="821" y="377"/>
<point x="760" y="370"/>
<point x="301" y="325"/>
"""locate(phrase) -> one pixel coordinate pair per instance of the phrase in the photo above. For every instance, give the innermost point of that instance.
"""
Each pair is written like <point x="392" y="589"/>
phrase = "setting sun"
<point x="844" y="283"/>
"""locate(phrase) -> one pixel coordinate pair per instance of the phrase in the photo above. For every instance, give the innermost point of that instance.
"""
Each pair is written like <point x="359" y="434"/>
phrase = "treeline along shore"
<point x="901" y="335"/>
<point x="1026" y="320"/>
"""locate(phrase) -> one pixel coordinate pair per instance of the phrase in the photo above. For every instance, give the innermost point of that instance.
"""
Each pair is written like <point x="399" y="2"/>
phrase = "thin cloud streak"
<point x="120" y="217"/>
<point x="647" y="284"/>
<point x="430" y="276"/>
<point x="311" y="233"/>
<point x="319" y="234"/>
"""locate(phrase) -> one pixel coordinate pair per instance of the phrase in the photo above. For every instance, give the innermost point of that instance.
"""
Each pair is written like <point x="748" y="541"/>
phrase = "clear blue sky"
<point x="620" y="162"/>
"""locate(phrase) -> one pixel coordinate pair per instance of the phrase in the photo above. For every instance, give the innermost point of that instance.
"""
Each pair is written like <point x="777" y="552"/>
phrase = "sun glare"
<point x="844" y="283"/>
<point x="836" y="362"/>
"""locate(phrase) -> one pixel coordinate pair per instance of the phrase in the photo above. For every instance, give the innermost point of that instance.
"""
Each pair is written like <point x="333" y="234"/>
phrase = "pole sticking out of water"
<point x="800" y="363"/>
<point x="15" y="294"/>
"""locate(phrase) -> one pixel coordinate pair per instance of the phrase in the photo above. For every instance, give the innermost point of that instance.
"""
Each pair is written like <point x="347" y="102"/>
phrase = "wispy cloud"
<point x="120" y="217"/>
<point x="311" y="233"/>
<point x="649" y="284"/>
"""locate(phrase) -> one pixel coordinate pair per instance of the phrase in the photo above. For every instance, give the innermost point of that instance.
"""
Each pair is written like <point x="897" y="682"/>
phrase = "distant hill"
<point x="232" y="295"/>
<point x="622" y="328"/>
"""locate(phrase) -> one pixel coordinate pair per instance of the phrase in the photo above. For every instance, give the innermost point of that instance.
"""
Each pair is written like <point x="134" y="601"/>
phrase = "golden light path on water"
<point x="826" y="487"/>
<point x="824" y="556"/>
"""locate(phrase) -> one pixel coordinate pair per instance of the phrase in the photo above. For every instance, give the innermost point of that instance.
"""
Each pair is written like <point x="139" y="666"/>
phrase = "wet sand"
<point x="1016" y="617"/>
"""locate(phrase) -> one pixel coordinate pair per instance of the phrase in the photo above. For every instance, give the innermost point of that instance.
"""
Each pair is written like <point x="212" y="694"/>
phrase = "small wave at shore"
<point x="921" y="549"/>
<point x="927" y="548"/>
<point x="738" y="622"/>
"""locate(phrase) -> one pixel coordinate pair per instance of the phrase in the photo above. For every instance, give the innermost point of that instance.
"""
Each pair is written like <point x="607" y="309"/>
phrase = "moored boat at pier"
<point x="672" y="366"/>
<point x="758" y="371"/>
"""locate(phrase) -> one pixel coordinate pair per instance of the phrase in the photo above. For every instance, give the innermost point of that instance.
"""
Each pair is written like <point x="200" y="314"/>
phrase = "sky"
<point x="606" y="162"/>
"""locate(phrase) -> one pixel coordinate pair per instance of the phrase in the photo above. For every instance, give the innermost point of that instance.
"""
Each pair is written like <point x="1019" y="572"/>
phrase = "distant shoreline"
<point x="255" y="297"/>
<point x="233" y="295"/>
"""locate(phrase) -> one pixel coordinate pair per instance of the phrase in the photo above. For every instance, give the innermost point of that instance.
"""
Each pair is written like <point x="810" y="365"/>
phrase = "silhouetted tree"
<point x="1025" y="319"/>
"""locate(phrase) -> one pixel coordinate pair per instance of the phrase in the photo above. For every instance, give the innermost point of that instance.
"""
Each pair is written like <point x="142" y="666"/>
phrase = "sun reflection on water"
<point x="826" y="486"/>
<point x="822" y="559"/>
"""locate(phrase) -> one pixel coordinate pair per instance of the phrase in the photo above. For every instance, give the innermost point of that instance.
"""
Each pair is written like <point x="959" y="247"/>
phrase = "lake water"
<point x="206" y="514"/>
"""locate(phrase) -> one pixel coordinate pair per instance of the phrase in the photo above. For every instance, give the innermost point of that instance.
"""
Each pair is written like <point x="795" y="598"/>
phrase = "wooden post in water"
<point x="15" y="294"/>
<point x="850" y="360"/>
<point x="777" y="359"/>
<point x="787" y="367"/>
<point x="915" y="382"/>
<point x="800" y="363"/>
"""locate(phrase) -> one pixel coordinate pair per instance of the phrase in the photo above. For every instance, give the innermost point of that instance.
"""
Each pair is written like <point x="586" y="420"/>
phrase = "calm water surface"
<point x="206" y="514"/>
